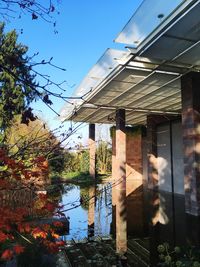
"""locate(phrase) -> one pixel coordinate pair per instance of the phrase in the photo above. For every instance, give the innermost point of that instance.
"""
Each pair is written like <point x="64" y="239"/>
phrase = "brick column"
<point x="92" y="148"/>
<point x="120" y="164"/>
<point x="190" y="87"/>
<point x="91" y="211"/>
<point x="113" y="152"/>
<point x="114" y="178"/>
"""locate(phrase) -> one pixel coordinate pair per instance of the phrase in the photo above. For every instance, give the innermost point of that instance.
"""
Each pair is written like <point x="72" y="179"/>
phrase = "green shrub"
<point x="178" y="256"/>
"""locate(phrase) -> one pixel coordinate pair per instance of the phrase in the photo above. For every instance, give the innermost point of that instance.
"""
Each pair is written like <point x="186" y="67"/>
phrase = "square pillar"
<point x="114" y="181"/>
<point x="190" y="89"/>
<point x="114" y="178"/>
<point x="91" y="211"/>
<point x="120" y="173"/>
<point x="134" y="178"/>
<point x="113" y="135"/>
<point x="92" y="149"/>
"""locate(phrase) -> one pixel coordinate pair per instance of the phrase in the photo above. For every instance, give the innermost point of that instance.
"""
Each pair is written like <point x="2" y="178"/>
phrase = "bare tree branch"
<point x="44" y="10"/>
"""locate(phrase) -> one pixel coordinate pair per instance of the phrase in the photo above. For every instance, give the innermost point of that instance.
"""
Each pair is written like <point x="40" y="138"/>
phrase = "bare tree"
<point x="36" y="8"/>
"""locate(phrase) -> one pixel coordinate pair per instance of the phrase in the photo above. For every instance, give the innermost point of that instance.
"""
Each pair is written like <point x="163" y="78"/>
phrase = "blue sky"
<point x="86" y="29"/>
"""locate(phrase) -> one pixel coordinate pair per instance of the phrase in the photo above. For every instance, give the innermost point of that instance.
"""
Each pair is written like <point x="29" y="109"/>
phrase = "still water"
<point x="88" y="204"/>
<point x="152" y="218"/>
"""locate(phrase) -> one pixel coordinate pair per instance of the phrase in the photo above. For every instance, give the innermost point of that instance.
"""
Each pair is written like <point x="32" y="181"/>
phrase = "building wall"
<point x="177" y="153"/>
<point x="164" y="158"/>
<point x="170" y="157"/>
<point x="144" y="161"/>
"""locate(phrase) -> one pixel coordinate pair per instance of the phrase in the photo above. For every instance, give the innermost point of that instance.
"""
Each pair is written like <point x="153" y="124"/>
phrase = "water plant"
<point x="187" y="256"/>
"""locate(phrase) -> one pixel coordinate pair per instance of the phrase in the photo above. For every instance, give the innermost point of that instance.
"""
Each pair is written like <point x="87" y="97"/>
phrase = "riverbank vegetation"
<point x="32" y="155"/>
<point x="28" y="150"/>
<point x="75" y="167"/>
<point x="29" y="153"/>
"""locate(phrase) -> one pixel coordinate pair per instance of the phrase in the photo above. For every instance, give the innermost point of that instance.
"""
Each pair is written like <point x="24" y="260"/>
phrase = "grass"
<point x="76" y="177"/>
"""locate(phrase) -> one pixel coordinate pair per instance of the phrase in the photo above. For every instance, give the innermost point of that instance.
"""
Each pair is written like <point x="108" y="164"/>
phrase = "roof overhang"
<point x="146" y="79"/>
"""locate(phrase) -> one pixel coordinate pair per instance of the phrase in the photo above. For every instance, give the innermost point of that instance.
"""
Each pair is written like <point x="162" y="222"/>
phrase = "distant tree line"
<point x="79" y="160"/>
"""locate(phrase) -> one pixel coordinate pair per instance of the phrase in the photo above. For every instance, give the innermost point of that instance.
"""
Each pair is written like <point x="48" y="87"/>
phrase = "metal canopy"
<point x="150" y="15"/>
<point x="147" y="80"/>
<point x="109" y="62"/>
<point x="180" y="44"/>
<point x="139" y="91"/>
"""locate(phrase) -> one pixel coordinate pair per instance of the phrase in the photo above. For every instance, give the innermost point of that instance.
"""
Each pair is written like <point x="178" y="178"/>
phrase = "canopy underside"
<point x="149" y="80"/>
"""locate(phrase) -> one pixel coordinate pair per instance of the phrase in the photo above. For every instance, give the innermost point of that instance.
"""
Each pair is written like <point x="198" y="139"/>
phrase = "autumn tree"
<point x="76" y="161"/>
<point x="23" y="160"/>
<point x="19" y="84"/>
<point x="104" y="157"/>
<point x="18" y="232"/>
<point x="33" y="140"/>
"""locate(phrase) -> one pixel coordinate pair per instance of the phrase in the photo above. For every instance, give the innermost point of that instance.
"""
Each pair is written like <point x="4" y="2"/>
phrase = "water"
<point x="153" y="217"/>
<point x="85" y="206"/>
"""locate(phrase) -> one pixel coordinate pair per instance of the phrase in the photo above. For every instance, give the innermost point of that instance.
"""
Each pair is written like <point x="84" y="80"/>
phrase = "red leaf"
<point x="18" y="249"/>
<point x="27" y="228"/>
<point x="50" y="207"/>
<point x="3" y="237"/>
<point x="7" y="254"/>
<point x="60" y="243"/>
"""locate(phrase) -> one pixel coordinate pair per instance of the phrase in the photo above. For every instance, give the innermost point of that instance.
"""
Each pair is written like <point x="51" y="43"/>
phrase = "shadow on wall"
<point x="191" y="132"/>
<point x="160" y="169"/>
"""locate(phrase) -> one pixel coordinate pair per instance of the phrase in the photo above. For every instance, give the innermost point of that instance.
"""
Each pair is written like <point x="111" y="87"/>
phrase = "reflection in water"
<point x="77" y="216"/>
<point x="121" y="217"/>
<point x="93" y="215"/>
<point x="103" y="215"/>
<point x="91" y="211"/>
<point x="160" y="215"/>
<point x="153" y="217"/>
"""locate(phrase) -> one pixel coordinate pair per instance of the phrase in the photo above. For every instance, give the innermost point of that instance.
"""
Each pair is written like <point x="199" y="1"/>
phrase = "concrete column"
<point x="190" y="88"/>
<point x="92" y="148"/>
<point x="120" y="164"/>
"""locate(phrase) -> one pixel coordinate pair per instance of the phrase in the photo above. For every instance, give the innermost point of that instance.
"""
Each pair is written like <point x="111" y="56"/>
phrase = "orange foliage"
<point x="38" y="232"/>
<point x="3" y="237"/>
<point x="7" y="254"/>
<point x="24" y="228"/>
<point x="18" y="249"/>
<point x="14" y="220"/>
